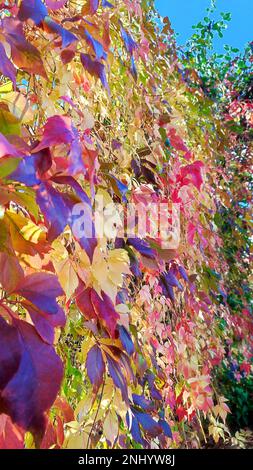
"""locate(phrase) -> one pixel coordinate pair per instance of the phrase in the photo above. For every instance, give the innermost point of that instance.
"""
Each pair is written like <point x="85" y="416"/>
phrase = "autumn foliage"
<point x="116" y="342"/>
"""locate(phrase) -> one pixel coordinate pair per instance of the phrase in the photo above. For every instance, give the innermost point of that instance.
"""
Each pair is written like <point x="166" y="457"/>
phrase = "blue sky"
<point x="185" y="13"/>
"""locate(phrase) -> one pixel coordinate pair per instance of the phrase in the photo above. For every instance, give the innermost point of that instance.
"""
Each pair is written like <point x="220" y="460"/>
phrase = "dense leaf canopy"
<point x="120" y="340"/>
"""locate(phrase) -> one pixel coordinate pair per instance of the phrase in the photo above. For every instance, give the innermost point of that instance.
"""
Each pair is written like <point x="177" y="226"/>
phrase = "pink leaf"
<point x="6" y="148"/>
<point x="55" y="4"/>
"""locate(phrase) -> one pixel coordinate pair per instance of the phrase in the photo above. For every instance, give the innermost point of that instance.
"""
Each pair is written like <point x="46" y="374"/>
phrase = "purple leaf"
<point x="57" y="130"/>
<point x="134" y="264"/>
<point x="134" y="429"/>
<point x="35" y="375"/>
<point x="84" y="303"/>
<point x="9" y="356"/>
<point x="6" y="66"/>
<point x="75" y="186"/>
<point x="107" y="4"/>
<point x="96" y="46"/>
<point x="75" y="159"/>
<point x="165" y="427"/>
<point x="46" y="323"/>
<point x="32" y="167"/>
<point x="136" y="167"/>
<point x="26" y="172"/>
<point x="33" y="289"/>
<point x="59" y="210"/>
<point x="130" y="44"/>
<point x="155" y="394"/>
<point x="167" y="289"/>
<point x="116" y="144"/>
<point x="95" y="366"/>
<point x="43" y="161"/>
<point x="183" y="273"/>
<point x="148" y="423"/>
<point x="143" y="402"/>
<point x="95" y="68"/>
<point x="55" y="209"/>
<point x="167" y="282"/>
<point x="32" y="9"/>
<point x="117" y="377"/>
<point x="126" y="340"/>
<point x="142" y="247"/>
<point x="171" y="279"/>
<point x="123" y="189"/>
<point x="122" y="296"/>
<point x="133" y="69"/>
<point x="24" y="55"/>
<point x="119" y="242"/>
<point x="67" y="37"/>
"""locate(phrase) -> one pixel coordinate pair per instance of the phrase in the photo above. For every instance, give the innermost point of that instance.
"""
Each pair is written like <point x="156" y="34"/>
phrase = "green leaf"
<point x="8" y="165"/>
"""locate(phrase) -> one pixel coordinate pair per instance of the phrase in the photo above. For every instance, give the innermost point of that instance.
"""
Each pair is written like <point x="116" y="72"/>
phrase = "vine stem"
<point x="201" y="427"/>
<point x="96" y="415"/>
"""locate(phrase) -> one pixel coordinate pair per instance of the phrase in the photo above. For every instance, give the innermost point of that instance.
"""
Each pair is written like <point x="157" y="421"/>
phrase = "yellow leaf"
<point x="108" y="269"/>
<point x="64" y="268"/>
<point x="22" y="231"/>
<point x="83" y="408"/>
<point x="77" y="440"/>
<point x="6" y="87"/>
<point x="111" y="426"/>
<point x="19" y="106"/>
<point x="67" y="276"/>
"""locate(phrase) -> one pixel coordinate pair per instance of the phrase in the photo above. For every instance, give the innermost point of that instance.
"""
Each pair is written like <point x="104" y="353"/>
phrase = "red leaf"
<point x="24" y="55"/>
<point x="60" y="130"/>
<point x="105" y="311"/>
<point x="65" y="409"/>
<point x="94" y="306"/>
<point x="11" y="437"/>
<point x="11" y="273"/>
<point x="50" y="437"/>
<point x="83" y="302"/>
<point x="193" y="174"/>
<point x="176" y="141"/>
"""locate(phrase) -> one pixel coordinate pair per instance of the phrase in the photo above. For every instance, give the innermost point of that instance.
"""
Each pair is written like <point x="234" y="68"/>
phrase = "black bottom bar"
<point x="187" y="459"/>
